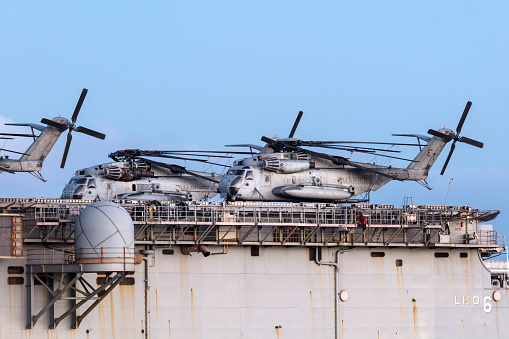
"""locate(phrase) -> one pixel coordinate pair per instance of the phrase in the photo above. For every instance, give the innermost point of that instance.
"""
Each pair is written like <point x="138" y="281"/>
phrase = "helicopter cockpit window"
<point x="236" y="182"/>
<point x="80" y="190"/>
<point x="81" y="181"/>
<point x="91" y="183"/>
<point x="239" y="172"/>
<point x="230" y="172"/>
<point x="249" y="175"/>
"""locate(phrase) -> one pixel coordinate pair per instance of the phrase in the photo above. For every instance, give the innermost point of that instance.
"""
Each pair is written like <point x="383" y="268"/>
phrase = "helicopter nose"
<point x="233" y="191"/>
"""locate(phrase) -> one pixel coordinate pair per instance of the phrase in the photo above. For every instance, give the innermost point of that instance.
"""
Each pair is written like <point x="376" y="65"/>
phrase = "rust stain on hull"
<point x="414" y="313"/>
<point x="312" y="313"/>
<point x="192" y="313"/>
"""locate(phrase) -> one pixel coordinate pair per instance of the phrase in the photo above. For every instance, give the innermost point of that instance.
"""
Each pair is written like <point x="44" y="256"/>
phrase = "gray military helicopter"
<point x="285" y="171"/>
<point x="32" y="159"/>
<point x="134" y="177"/>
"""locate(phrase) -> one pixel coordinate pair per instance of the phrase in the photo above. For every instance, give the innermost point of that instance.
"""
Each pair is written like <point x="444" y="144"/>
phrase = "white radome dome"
<point x="104" y="230"/>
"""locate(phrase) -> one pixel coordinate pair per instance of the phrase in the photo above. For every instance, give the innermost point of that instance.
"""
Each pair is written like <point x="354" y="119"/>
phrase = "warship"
<point x="140" y="263"/>
<point x="250" y="270"/>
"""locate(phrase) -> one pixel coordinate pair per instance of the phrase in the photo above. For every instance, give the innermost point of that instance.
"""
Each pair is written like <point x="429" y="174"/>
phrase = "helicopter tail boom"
<point x="429" y="154"/>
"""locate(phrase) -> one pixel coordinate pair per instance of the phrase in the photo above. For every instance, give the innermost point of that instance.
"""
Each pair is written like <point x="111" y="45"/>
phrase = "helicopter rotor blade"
<point x="313" y="143"/>
<point x="55" y="124"/>
<point x="463" y="117"/>
<point x="78" y="105"/>
<point x="353" y="148"/>
<point x="8" y="150"/>
<point x="177" y="169"/>
<point x="90" y="132"/>
<point x="66" y="150"/>
<point x="344" y="161"/>
<point x="453" y="146"/>
<point x="198" y="155"/>
<point x="295" y="124"/>
<point x="440" y="134"/>
<point x="471" y="142"/>
<point x="268" y="140"/>
<point x="19" y="135"/>
<point x="205" y="152"/>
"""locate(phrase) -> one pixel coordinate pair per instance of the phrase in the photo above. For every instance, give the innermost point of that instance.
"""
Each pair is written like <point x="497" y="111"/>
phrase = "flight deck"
<point x="268" y="224"/>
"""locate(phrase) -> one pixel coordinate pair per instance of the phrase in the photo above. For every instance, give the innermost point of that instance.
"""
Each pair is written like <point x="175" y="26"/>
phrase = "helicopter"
<point x="32" y="159"/>
<point x="132" y="177"/>
<point x="285" y="171"/>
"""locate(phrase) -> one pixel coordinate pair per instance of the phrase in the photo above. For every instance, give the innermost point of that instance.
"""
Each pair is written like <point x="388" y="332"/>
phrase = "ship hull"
<point x="282" y="292"/>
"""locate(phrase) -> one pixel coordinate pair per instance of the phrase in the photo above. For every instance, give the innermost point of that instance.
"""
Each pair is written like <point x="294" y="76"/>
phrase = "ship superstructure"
<point x="259" y="270"/>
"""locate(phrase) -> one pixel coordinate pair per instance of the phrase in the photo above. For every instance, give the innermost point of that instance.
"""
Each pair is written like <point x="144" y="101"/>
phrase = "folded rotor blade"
<point x="295" y="124"/>
<point x="78" y="105"/>
<point x="439" y="134"/>
<point x="205" y="152"/>
<point x="463" y="117"/>
<point x="268" y="140"/>
<point x="471" y="142"/>
<point x="448" y="158"/>
<point x="55" y="124"/>
<point x="197" y="155"/>
<point x="66" y="150"/>
<point x="8" y="150"/>
<point x="354" y="148"/>
<point x="177" y="169"/>
<point x="19" y="135"/>
<point x="90" y="132"/>
<point x="344" y="161"/>
<point x="313" y="143"/>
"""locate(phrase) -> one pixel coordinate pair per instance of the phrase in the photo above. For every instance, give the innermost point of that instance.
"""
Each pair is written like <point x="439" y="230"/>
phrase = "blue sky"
<point x="196" y="75"/>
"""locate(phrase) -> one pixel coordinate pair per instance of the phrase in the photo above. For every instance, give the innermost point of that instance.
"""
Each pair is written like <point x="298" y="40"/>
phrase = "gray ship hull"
<point x="274" y="271"/>
<point x="283" y="294"/>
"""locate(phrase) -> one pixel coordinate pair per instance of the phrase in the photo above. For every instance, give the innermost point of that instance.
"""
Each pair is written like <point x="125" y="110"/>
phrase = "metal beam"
<point x="90" y="296"/>
<point x="56" y="297"/>
<point x="360" y="235"/>
<point x="241" y="240"/>
<point x="312" y="233"/>
<point x="377" y="231"/>
<point x="394" y="235"/>
<point x="206" y="232"/>
<point x="289" y="235"/>
<point x="101" y="297"/>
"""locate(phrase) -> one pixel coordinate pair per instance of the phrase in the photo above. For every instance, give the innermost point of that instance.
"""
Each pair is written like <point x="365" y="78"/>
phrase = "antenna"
<point x="448" y="188"/>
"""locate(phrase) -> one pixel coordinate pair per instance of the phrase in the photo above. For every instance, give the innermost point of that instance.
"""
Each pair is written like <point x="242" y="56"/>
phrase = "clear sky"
<point x="199" y="75"/>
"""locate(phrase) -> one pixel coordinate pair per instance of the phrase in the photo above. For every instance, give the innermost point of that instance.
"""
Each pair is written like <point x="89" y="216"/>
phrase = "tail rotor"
<point x="70" y="125"/>
<point x="456" y="136"/>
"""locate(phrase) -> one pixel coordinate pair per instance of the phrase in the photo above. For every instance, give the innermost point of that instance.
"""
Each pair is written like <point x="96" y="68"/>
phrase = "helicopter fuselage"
<point x="291" y="176"/>
<point x="122" y="180"/>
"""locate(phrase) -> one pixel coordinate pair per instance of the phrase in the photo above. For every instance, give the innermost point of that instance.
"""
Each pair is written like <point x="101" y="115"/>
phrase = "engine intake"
<point x="286" y="166"/>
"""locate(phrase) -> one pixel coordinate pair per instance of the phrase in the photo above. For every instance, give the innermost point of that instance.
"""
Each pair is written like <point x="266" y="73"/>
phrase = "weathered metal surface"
<point x="11" y="235"/>
<point x="270" y="224"/>
<point x="283" y="292"/>
<point x="295" y="287"/>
